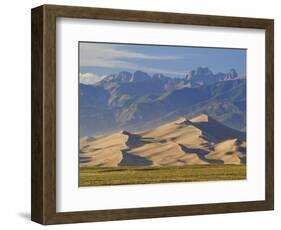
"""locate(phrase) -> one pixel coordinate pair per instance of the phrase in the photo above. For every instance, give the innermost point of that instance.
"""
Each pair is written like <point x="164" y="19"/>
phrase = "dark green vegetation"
<point x="94" y="176"/>
<point x="137" y="101"/>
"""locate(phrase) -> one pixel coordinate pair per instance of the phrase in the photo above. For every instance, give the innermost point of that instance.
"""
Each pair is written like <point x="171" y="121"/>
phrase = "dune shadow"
<point x="243" y="160"/>
<point x="133" y="160"/>
<point x="135" y="140"/>
<point x="201" y="153"/>
<point x="84" y="159"/>
<point x="207" y="144"/>
<point x="218" y="131"/>
<point x="242" y="149"/>
<point x="186" y="149"/>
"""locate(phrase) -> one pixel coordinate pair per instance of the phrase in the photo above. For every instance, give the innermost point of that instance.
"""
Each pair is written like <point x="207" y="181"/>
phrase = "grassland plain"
<point x="98" y="176"/>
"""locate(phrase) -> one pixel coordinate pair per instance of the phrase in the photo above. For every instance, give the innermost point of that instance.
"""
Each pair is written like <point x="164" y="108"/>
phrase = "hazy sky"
<point x="106" y="58"/>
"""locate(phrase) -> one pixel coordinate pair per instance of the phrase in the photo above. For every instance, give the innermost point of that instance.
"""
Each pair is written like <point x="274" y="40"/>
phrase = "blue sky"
<point x="102" y="59"/>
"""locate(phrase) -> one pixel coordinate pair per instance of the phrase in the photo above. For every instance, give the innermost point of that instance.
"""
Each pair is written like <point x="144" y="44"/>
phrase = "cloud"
<point x="111" y="56"/>
<point x="90" y="78"/>
<point x="106" y="55"/>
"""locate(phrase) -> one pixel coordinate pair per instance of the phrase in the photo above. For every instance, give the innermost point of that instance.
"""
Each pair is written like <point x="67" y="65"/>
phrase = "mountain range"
<point x="201" y="140"/>
<point x="139" y="101"/>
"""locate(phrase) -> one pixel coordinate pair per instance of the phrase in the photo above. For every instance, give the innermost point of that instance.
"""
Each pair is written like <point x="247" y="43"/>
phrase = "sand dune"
<point x="201" y="140"/>
<point x="169" y="153"/>
<point x="228" y="151"/>
<point x="105" y="151"/>
<point x="213" y="128"/>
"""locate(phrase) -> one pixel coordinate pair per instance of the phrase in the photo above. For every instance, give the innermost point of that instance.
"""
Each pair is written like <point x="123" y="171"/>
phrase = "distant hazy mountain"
<point x="139" y="101"/>
<point x="140" y="83"/>
<point x="195" y="78"/>
<point x="201" y="140"/>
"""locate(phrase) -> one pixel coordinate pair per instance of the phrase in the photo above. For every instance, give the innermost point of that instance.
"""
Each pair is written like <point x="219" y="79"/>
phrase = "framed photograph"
<point x="141" y="114"/>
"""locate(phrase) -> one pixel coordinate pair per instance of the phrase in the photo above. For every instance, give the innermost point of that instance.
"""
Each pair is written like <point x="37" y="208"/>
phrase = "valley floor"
<point x="95" y="176"/>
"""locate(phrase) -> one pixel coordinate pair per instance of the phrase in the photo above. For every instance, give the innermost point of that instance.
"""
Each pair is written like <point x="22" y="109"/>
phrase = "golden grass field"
<point x="97" y="176"/>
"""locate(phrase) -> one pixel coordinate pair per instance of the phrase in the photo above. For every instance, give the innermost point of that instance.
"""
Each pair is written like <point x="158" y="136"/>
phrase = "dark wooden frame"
<point x="43" y="189"/>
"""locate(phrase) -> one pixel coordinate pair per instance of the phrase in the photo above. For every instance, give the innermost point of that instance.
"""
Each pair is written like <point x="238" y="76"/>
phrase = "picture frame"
<point x="44" y="122"/>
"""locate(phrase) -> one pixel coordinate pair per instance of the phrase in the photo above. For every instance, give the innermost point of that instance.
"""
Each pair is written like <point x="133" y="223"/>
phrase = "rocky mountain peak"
<point x="124" y="76"/>
<point x="140" y="76"/>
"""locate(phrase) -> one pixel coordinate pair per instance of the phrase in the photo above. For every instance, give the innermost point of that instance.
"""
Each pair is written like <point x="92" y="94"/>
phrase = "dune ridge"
<point x="201" y="140"/>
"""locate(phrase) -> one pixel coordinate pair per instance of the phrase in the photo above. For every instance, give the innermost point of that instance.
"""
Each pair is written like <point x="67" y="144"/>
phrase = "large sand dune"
<point x="201" y="140"/>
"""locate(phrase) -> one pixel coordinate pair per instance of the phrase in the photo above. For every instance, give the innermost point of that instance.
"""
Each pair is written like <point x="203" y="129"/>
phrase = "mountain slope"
<point x="139" y="101"/>
<point x="201" y="140"/>
<point x="225" y="101"/>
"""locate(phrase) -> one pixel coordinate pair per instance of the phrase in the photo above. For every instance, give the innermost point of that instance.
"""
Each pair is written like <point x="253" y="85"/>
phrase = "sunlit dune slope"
<point x="201" y="140"/>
